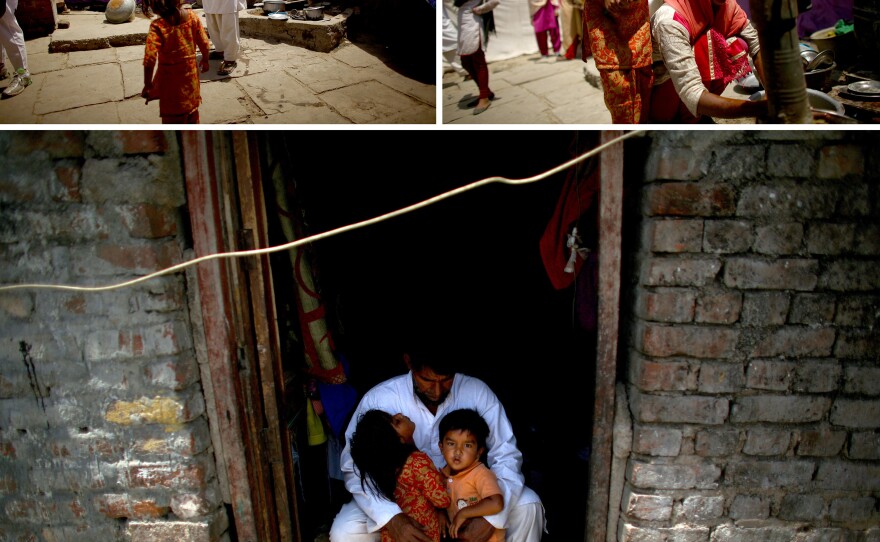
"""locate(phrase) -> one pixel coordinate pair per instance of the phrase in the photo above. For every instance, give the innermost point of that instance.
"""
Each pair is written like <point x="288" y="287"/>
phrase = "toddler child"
<point x="172" y="41"/>
<point x="390" y="466"/>
<point x="472" y="486"/>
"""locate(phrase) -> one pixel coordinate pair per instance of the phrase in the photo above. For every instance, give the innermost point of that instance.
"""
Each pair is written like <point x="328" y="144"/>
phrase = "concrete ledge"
<point x="90" y="44"/>
<point x="89" y="30"/>
<point x="322" y="36"/>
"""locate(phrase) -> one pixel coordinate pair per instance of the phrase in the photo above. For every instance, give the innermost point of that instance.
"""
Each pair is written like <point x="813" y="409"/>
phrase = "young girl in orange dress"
<point x="171" y="42"/>
<point x="389" y="464"/>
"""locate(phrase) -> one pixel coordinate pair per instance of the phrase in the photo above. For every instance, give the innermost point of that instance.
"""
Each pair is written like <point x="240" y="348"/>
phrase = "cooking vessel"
<point x="314" y="13"/>
<point x="271" y="6"/>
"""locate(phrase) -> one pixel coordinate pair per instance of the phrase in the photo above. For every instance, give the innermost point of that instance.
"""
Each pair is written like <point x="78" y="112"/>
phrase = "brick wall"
<point x="754" y="356"/>
<point x="103" y="433"/>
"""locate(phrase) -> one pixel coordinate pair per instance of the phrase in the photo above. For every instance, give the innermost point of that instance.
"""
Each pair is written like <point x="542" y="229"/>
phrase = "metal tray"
<point x="866" y="88"/>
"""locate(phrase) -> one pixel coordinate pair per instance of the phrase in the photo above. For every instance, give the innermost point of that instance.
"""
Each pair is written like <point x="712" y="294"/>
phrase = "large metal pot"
<point x="119" y="11"/>
<point x="271" y="6"/>
<point x="314" y="13"/>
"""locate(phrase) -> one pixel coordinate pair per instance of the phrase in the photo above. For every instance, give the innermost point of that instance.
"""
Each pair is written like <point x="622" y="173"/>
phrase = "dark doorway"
<point x="468" y="268"/>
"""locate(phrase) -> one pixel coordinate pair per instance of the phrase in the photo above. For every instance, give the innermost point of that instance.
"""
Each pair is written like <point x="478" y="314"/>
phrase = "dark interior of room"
<point x="468" y="268"/>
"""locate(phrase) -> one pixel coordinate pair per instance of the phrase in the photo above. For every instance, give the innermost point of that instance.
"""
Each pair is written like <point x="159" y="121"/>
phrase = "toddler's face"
<point x="404" y="427"/>
<point x="460" y="450"/>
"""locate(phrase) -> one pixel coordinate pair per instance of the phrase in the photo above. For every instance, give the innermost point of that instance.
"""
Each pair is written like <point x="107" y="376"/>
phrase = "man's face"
<point x="431" y="387"/>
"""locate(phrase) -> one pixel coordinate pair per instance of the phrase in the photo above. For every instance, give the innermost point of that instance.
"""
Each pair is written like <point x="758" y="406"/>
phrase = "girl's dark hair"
<point x="466" y="419"/>
<point x="167" y="9"/>
<point x="378" y="453"/>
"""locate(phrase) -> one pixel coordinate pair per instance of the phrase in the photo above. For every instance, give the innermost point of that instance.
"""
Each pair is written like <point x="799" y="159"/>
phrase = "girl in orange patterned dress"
<point x="172" y="41"/>
<point x="390" y="466"/>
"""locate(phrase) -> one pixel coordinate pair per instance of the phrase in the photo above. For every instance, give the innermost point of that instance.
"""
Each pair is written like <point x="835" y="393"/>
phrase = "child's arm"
<point x="151" y="54"/>
<point x="148" y="82"/>
<point x="486" y="507"/>
<point x="203" y="45"/>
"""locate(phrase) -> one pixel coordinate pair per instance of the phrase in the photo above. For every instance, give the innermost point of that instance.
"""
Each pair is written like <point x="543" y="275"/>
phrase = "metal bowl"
<point x="314" y="13"/>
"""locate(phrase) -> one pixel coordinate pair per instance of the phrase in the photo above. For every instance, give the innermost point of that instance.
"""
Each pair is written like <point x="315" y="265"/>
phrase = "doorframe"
<point x="610" y="233"/>
<point x="223" y="182"/>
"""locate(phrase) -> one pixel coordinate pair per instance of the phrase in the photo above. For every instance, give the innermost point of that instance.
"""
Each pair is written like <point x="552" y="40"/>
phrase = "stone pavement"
<point x="530" y="89"/>
<point x="275" y="82"/>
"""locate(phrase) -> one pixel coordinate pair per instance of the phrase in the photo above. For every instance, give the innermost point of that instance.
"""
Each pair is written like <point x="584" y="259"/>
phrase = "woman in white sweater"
<point x="699" y="47"/>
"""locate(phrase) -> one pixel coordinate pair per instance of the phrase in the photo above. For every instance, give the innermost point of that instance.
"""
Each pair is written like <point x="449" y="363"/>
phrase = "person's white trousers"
<point x="12" y="38"/>
<point x="224" y="32"/>
<point x="524" y="524"/>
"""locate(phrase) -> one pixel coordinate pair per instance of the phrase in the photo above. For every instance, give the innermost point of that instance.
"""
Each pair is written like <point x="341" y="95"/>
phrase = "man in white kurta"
<point x="222" y="19"/>
<point x="363" y="517"/>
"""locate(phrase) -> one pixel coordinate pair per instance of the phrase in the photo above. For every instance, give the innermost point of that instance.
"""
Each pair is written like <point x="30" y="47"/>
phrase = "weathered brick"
<point x="699" y="509"/>
<point x="867" y="240"/>
<point x="716" y="442"/>
<point x="143" y="220"/>
<point x="49" y="143"/>
<point x="124" y="505"/>
<point x="194" y="505"/>
<point x="855" y="199"/>
<point x="780" y="274"/>
<point x="169" y="411"/>
<point x="695" y="475"/>
<point x="663" y="375"/>
<point x="142" y="141"/>
<point x="789" y="160"/>
<point x="784" y="200"/>
<point x="848" y="476"/>
<point x="816" y="376"/>
<point x="169" y="476"/>
<point x="174" y="374"/>
<point x="66" y="186"/>
<point x="683" y="409"/>
<point x="647" y="507"/>
<point x="779" y="409"/>
<point x="149" y="179"/>
<point x="666" y="305"/>
<point x="166" y="339"/>
<point x="676" y="236"/>
<point x="850" y="276"/>
<point x="657" y="441"/>
<point x="138" y="258"/>
<point x="864" y="446"/>
<point x="679" y="533"/>
<point x="812" y="309"/>
<point x="746" y="507"/>
<point x="822" y="442"/>
<point x="157" y="442"/>
<point x="208" y="529"/>
<point x="795" y="341"/>
<point x="779" y="239"/>
<point x="675" y="164"/>
<point x="773" y="375"/>
<point x="691" y="341"/>
<point x="765" y="308"/>
<point x="852" y="509"/>
<point x="727" y="236"/>
<point x="856" y="413"/>
<point x="765" y="474"/>
<point x="830" y="239"/>
<point x="840" y="161"/>
<point x="690" y="199"/>
<point x="683" y="271"/>
<point x="802" y="508"/>
<point x="718" y="308"/>
<point x="720" y="377"/>
<point x="766" y="441"/>
<point x="858" y="344"/>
